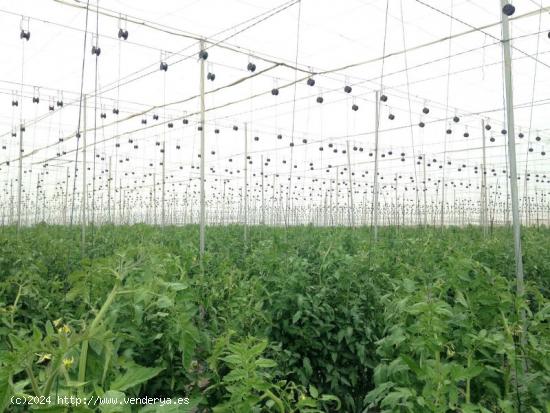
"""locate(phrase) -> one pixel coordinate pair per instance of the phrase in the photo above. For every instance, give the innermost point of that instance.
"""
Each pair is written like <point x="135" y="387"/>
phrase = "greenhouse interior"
<point x="275" y="206"/>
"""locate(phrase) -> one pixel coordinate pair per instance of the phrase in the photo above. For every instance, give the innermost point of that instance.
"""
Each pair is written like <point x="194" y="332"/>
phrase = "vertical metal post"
<point x="222" y="209"/>
<point x="274" y="221"/>
<point x="263" y="203"/>
<point x="202" y="200"/>
<point x="154" y="199"/>
<point x="506" y="215"/>
<point x="351" y="211"/>
<point x="245" y="187"/>
<point x="425" y="190"/>
<point x="375" y="186"/>
<point x="20" y="176"/>
<point x="120" y="210"/>
<point x="483" y="206"/>
<point x="109" y="192"/>
<point x="66" y="198"/>
<point x="84" y="188"/>
<point x="337" y="199"/>
<point x="11" y="201"/>
<point x="123" y="206"/>
<point x="512" y="150"/>
<point x="396" y="203"/>
<point x="36" y="199"/>
<point x="163" y="195"/>
<point x="331" y="209"/>
<point x="43" y="205"/>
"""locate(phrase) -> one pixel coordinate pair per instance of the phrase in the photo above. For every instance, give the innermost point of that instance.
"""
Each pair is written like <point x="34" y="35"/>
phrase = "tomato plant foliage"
<point x="297" y="320"/>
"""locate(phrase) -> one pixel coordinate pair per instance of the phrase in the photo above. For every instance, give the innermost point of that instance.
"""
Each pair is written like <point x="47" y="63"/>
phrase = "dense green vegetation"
<point x="302" y="320"/>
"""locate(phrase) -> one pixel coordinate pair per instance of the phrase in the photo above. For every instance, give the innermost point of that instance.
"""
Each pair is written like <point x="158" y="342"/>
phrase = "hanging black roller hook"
<point x="163" y="64"/>
<point x="211" y="75"/>
<point x="123" y="34"/>
<point x="96" y="50"/>
<point x="24" y="34"/>
<point x="36" y="95"/>
<point x="60" y="100"/>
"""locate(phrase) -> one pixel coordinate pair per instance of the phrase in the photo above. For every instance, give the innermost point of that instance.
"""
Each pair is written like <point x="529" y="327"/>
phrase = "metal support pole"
<point x="163" y="195"/>
<point x="245" y="188"/>
<point x="109" y="192"/>
<point x="375" y="186"/>
<point x="20" y="176"/>
<point x="483" y="206"/>
<point x="11" y="202"/>
<point x="202" y="201"/>
<point x="66" y="200"/>
<point x="120" y="210"/>
<point x="396" y="203"/>
<point x="263" y="203"/>
<point x="337" y="199"/>
<point x="36" y="199"/>
<point x="512" y="150"/>
<point x="425" y="191"/>
<point x="43" y="205"/>
<point x="351" y="211"/>
<point x="84" y="188"/>
<point x="154" y="199"/>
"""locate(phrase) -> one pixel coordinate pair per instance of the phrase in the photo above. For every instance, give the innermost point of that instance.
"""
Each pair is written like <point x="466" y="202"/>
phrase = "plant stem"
<point x="49" y="383"/>
<point x="82" y="364"/>
<point x="34" y="384"/>
<point x="15" y="303"/>
<point x="84" y="351"/>
<point x="468" y="379"/>
<point x="104" y="308"/>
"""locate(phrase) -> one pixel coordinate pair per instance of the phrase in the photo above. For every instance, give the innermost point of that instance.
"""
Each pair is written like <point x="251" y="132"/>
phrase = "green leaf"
<point x="176" y="286"/>
<point x="49" y="328"/>
<point x="307" y="366"/>
<point x="133" y="376"/>
<point x="115" y="398"/>
<point x="313" y="391"/>
<point x="259" y="348"/>
<point x="233" y="359"/>
<point x="459" y="297"/>
<point x="6" y="390"/>
<point x="411" y="364"/>
<point x="331" y="398"/>
<point x="265" y="363"/>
